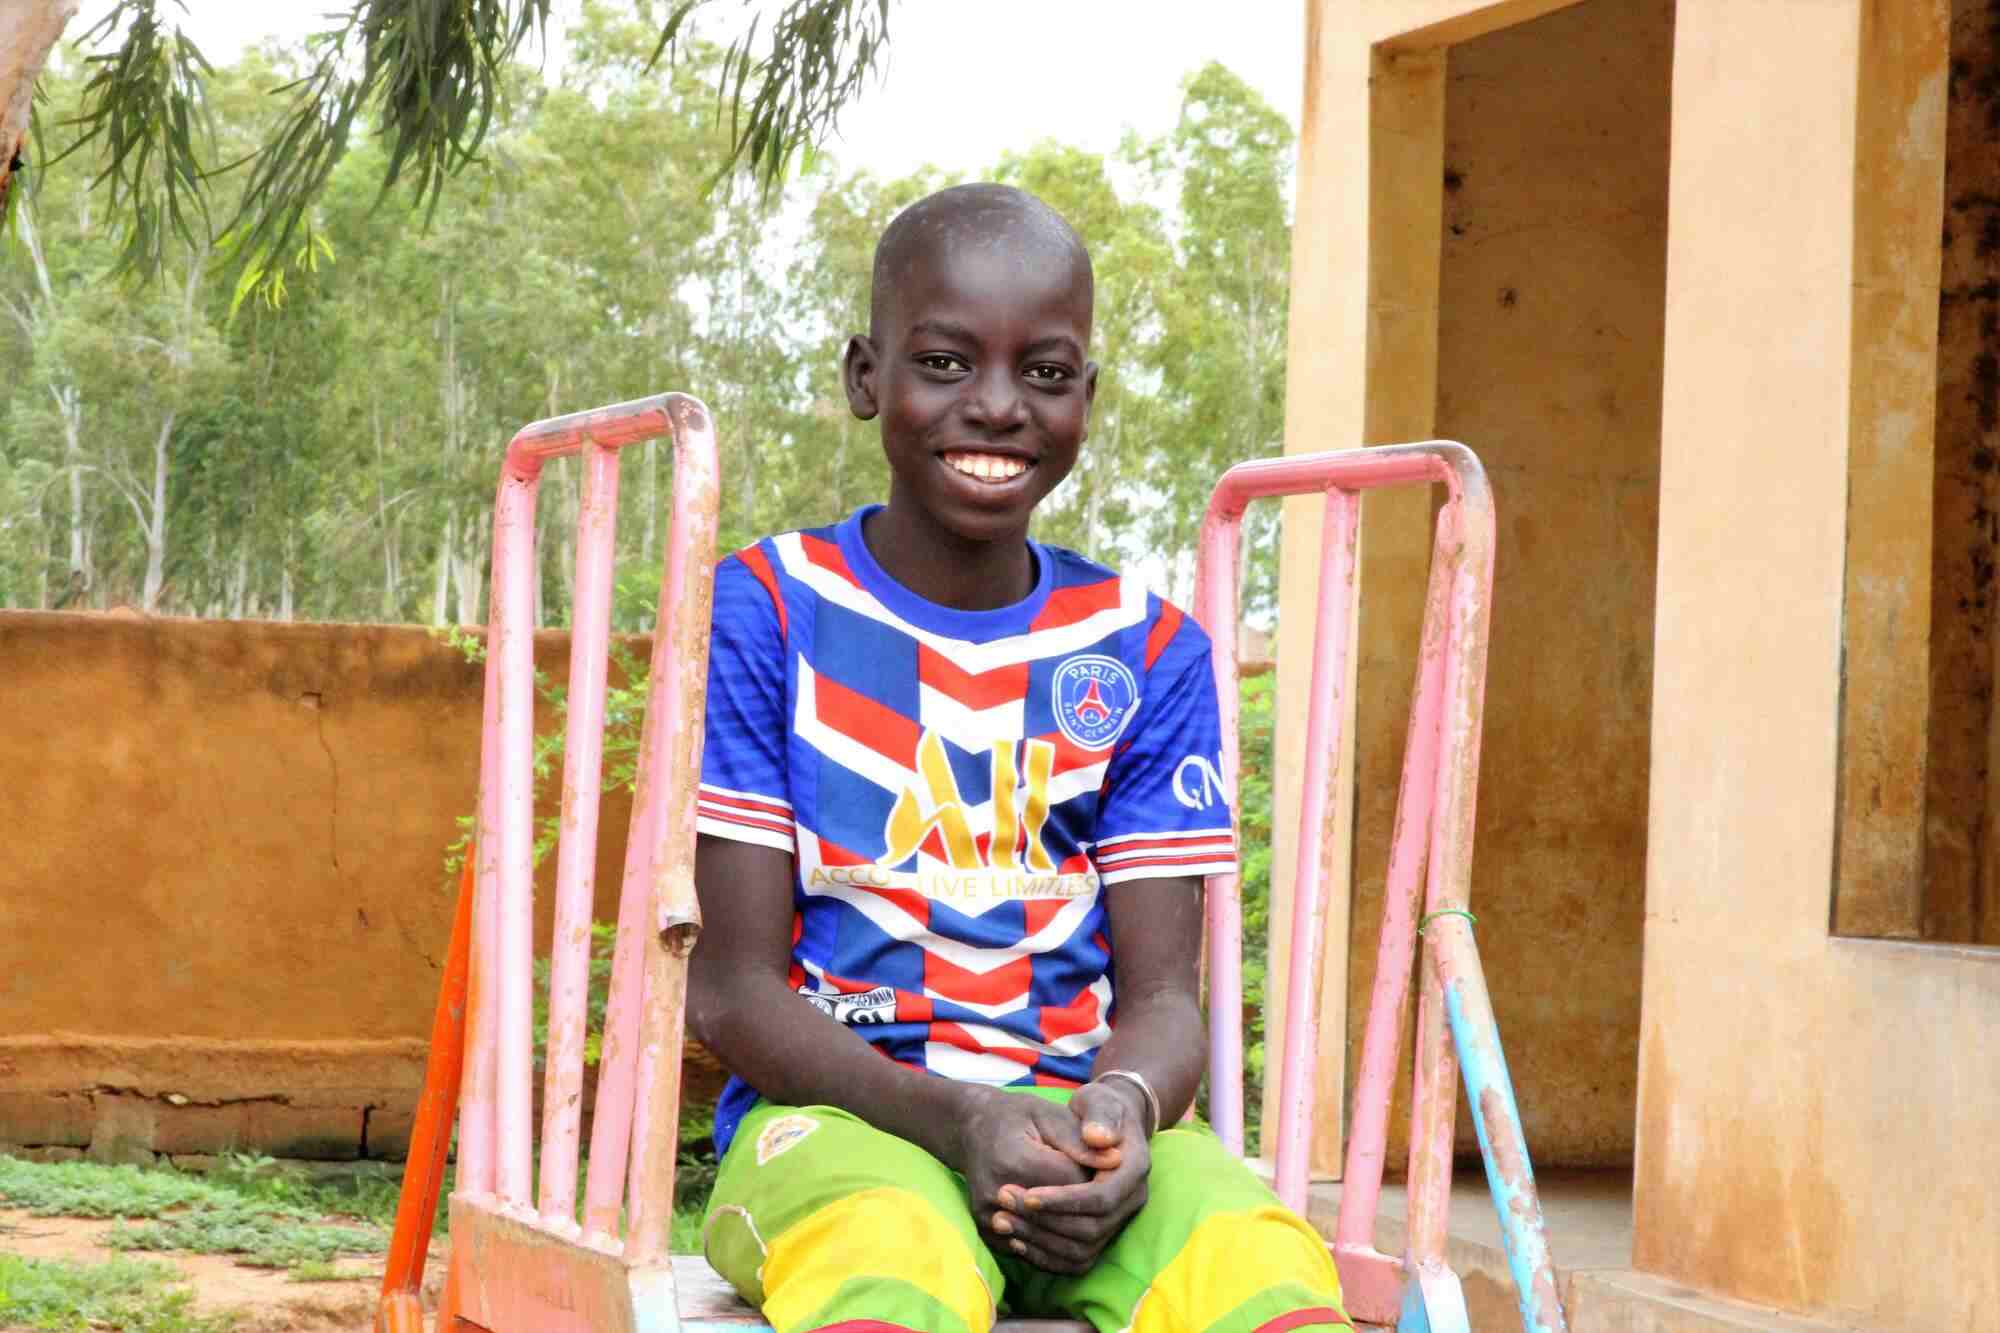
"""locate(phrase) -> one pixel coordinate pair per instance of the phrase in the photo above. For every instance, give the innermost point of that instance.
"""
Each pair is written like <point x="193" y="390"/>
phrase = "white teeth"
<point x="987" y="467"/>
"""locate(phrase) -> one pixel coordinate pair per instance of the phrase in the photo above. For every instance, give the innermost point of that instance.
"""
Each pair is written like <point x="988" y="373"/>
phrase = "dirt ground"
<point x="263" y="1300"/>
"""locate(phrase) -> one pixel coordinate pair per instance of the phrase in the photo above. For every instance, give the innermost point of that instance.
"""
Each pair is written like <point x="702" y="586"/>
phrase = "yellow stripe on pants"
<point x="1232" y="1261"/>
<point x="880" y="1234"/>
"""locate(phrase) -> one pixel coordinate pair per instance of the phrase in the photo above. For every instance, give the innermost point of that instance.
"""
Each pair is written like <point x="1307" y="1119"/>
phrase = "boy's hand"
<point x="1063" y="1228"/>
<point x="1012" y="1142"/>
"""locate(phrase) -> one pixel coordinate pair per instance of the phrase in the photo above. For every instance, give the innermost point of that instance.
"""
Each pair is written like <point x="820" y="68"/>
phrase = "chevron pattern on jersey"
<point x="956" y="788"/>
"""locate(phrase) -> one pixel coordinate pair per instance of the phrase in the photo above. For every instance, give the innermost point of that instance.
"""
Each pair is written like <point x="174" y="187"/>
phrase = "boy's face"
<point x="977" y="371"/>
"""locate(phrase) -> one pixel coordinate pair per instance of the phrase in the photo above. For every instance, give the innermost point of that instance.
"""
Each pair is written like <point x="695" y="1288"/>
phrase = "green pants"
<point x="825" y="1222"/>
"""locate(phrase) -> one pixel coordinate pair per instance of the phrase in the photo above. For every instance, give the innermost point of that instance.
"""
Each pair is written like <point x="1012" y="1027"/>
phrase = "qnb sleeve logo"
<point x="1094" y="698"/>
<point x="1198" y="782"/>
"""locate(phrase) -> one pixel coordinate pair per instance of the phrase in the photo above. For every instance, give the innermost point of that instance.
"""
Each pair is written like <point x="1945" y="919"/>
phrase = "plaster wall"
<point x="1500" y="281"/>
<point x="1818" y="1120"/>
<point x="1817" y="1115"/>
<point x="1552" y="286"/>
<point x="226" y="879"/>
<point x="1362" y="359"/>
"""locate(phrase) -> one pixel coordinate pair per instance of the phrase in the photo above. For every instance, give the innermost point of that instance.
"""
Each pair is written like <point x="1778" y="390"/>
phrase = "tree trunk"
<point x="390" y="574"/>
<point x="156" y="529"/>
<point x="69" y="404"/>
<point x="441" y="587"/>
<point x="29" y="30"/>
<point x="470" y="570"/>
<point x="239" y="588"/>
<point x="42" y="579"/>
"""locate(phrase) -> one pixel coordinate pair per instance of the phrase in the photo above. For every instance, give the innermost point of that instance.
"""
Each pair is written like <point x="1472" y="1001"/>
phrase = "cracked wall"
<point x="225" y="901"/>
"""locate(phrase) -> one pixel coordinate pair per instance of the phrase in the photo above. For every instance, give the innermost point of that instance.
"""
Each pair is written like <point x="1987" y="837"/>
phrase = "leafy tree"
<point x="429" y="78"/>
<point x="1221" y="356"/>
<point x="331" y="447"/>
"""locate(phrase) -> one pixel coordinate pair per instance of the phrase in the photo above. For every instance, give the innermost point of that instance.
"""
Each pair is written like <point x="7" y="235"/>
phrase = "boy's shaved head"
<point x="980" y="215"/>
<point x="977" y="365"/>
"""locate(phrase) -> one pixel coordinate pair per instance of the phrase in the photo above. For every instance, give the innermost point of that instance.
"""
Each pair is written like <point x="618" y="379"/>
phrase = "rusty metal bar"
<point x="576" y="850"/>
<point x="510" y="670"/>
<point x="1215" y="583"/>
<point x="671" y="768"/>
<point x="430" y="1136"/>
<point x="1430" y="855"/>
<point x="1368" y="1132"/>
<point x="1332" y="643"/>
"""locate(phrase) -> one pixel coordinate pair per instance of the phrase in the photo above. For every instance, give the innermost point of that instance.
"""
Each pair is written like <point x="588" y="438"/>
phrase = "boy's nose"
<point x="996" y="401"/>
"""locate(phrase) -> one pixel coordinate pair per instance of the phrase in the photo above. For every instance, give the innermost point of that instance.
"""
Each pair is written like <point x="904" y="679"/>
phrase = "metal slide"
<point x="520" y="1258"/>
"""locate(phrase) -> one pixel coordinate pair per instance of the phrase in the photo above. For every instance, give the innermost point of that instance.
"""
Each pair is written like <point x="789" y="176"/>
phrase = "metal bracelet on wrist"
<point x="1138" y="1081"/>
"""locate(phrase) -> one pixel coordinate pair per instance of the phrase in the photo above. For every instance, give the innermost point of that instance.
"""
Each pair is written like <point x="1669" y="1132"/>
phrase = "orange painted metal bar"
<point x="401" y="1310"/>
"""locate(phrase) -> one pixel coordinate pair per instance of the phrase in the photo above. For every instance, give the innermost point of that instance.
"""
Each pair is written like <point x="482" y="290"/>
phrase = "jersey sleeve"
<point x="744" y="792"/>
<point x="1164" y="811"/>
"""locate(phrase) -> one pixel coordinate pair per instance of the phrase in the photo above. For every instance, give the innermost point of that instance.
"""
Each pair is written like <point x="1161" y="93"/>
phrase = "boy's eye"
<point x="942" y="362"/>
<point x="1049" y="373"/>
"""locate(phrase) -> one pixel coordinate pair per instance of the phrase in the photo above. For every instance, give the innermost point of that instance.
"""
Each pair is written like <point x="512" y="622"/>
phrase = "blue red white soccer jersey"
<point x="956" y="787"/>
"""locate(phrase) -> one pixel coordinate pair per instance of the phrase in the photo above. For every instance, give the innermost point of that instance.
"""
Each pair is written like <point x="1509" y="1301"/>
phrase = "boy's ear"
<point x="1089" y="394"/>
<point x="857" y="375"/>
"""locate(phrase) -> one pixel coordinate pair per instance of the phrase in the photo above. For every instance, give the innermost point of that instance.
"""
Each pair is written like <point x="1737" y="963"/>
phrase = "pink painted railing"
<point x="1430" y="860"/>
<point x="522" y="1261"/>
<point x="527" y="1263"/>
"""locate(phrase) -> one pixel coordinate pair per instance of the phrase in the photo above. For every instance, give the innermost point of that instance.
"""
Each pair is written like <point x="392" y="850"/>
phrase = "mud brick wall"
<point x="224" y="907"/>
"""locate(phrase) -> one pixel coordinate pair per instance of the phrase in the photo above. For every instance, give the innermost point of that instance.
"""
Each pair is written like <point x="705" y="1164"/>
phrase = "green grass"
<point x="316" y="1270"/>
<point x="85" y="1189"/>
<point x="138" y="1296"/>
<point x="366" y="1193"/>
<point x="253" y="1234"/>
<point x="267" y="1214"/>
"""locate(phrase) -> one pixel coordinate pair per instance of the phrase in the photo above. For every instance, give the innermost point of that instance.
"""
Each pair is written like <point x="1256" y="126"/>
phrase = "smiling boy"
<point x="939" y="824"/>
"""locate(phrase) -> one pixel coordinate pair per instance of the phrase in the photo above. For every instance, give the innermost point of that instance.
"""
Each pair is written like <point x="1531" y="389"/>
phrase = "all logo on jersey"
<point x="1094" y="698"/>
<point x="1018" y="816"/>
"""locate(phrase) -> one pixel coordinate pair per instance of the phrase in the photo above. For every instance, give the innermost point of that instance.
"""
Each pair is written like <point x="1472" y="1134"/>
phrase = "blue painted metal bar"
<point x="1502" y="1144"/>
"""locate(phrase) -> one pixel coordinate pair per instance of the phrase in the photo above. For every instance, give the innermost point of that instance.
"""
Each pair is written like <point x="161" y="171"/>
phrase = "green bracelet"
<point x="1425" y="920"/>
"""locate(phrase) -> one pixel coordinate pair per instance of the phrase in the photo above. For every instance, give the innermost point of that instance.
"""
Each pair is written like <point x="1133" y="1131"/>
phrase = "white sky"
<point x="966" y="80"/>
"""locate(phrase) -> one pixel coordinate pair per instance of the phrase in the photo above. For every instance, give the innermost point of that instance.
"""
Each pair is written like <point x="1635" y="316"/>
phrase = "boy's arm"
<point x="1156" y="938"/>
<point x="742" y="1007"/>
<point x="1161" y="1035"/>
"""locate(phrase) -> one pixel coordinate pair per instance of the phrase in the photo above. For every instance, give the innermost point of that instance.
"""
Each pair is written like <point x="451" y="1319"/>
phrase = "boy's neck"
<point x="944" y="568"/>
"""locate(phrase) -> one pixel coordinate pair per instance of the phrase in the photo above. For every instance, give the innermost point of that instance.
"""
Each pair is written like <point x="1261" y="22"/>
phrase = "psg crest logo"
<point x="1094" y="698"/>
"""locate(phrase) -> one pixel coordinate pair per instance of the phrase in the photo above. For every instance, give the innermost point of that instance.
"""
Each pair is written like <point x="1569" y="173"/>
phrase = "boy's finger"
<point x="1098" y="1159"/>
<point x="1066" y="1131"/>
<point x="1088" y="1229"/>
<point x="1076" y="1237"/>
<point x="1049" y="1260"/>
<point x="1093" y="1200"/>
<point x="1102" y="1113"/>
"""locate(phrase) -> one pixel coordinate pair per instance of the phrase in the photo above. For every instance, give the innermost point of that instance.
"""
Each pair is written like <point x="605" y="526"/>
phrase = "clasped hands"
<point x="1053" y="1184"/>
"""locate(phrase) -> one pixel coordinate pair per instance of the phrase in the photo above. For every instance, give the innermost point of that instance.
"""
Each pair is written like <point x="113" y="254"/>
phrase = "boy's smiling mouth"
<point x="991" y="468"/>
